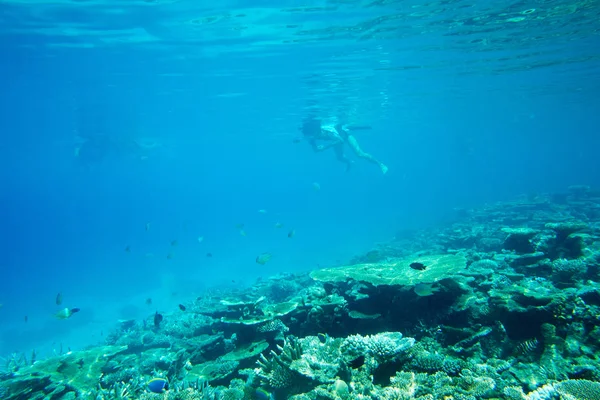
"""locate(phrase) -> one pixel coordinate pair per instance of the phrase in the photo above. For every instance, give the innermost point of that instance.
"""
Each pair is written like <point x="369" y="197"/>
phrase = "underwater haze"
<point x="151" y="150"/>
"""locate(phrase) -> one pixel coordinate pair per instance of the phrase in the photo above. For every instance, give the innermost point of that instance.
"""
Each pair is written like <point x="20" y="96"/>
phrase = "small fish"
<point x="322" y="337"/>
<point x="240" y="228"/>
<point x="157" y="319"/>
<point x="158" y="385"/>
<point x="263" y="258"/>
<point x="262" y="211"/>
<point x="26" y="318"/>
<point x="182" y="307"/>
<point x="263" y="394"/>
<point x="170" y="256"/>
<point x="66" y="313"/>
<point x="418" y="266"/>
<point x="128" y="249"/>
<point x="147" y="226"/>
<point x="425" y="289"/>
<point x="292" y="233"/>
<point x="200" y="239"/>
<point x="58" y="299"/>
<point x="148" y="301"/>
<point x="297" y="140"/>
<point x="316" y="186"/>
<point x="278" y="225"/>
<point x="174" y="243"/>
<point x="209" y="255"/>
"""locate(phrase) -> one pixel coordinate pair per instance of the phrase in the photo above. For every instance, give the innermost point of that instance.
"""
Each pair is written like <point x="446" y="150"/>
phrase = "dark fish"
<point x="208" y="255"/>
<point x="262" y="394"/>
<point x="182" y="307"/>
<point x="157" y="319"/>
<point x="26" y="318"/>
<point x="297" y="140"/>
<point x="174" y="243"/>
<point x="291" y="233"/>
<point x="322" y="337"/>
<point x="149" y="301"/>
<point x="170" y="256"/>
<point x="158" y="385"/>
<point x="128" y="249"/>
<point x="59" y="299"/>
<point x="418" y="266"/>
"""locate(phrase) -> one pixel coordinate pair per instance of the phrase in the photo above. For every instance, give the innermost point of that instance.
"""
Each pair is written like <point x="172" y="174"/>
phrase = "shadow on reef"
<point x="502" y="303"/>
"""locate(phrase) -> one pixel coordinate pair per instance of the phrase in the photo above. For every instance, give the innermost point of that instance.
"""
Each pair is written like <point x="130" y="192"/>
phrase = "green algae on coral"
<point x="248" y="321"/>
<point x="213" y="370"/>
<point x="399" y="272"/>
<point x="280" y="309"/>
<point x="521" y="231"/>
<point x="233" y="303"/>
<point x="245" y="352"/>
<point x="566" y="228"/>
<point x="578" y="389"/>
<point x="252" y="314"/>
<point x="72" y="372"/>
<point x="358" y="315"/>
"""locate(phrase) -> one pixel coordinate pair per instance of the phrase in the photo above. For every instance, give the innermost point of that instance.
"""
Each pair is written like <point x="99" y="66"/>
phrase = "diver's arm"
<point x="313" y="144"/>
<point x="322" y="147"/>
<point x="334" y="142"/>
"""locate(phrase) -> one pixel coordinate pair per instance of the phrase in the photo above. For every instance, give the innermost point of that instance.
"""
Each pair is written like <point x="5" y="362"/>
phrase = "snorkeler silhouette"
<point x="335" y="136"/>
<point x="109" y="131"/>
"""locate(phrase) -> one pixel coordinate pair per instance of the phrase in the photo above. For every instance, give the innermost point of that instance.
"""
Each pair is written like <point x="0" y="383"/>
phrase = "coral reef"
<point x="510" y="311"/>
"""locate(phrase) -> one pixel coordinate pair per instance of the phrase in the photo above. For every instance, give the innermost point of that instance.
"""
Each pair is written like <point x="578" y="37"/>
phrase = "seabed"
<point x="503" y="303"/>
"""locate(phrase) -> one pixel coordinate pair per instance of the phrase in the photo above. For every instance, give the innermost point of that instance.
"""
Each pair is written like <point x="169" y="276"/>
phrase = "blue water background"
<point x="453" y="136"/>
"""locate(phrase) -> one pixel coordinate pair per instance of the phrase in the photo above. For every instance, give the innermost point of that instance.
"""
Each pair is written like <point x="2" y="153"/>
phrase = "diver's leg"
<point x="339" y="154"/>
<point x="360" y="153"/>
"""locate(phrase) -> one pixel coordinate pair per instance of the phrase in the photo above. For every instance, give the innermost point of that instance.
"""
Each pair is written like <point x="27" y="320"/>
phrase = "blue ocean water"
<point x="130" y="129"/>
